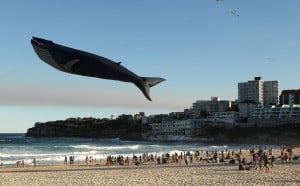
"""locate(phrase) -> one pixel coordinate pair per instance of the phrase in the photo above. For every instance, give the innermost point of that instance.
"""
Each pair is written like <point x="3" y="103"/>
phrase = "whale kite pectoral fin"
<point x="147" y="83"/>
<point x="119" y="63"/>
<point x="69" y="65"/>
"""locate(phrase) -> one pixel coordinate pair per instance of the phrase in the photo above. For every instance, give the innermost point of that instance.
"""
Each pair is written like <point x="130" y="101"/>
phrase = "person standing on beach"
<point x="66" y="160"/>
<point x="70" y="159"/>
<point x="260" y="162"/>
<point x="185" y="159"/>
<point x="272" y="160"/>
<point x="87" y="159"/>
<point x="34" y="162"/>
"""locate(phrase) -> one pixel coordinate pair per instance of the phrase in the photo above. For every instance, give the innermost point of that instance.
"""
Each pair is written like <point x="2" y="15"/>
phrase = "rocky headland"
<point x="127" y="128"/>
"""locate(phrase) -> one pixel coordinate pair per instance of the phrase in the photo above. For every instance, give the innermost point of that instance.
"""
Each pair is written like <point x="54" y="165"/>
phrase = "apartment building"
<point x="259" y="91"/>
<point x="271" y="93"/>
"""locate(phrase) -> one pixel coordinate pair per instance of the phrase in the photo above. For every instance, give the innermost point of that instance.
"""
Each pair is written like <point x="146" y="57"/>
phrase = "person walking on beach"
<point x="286" y="158"/>
<point x="266" y="163"/>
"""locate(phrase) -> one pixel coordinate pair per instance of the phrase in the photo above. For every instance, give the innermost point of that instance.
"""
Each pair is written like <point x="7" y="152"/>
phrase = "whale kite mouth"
<point x="41" y="42"/>
<point x="41" y="47"/>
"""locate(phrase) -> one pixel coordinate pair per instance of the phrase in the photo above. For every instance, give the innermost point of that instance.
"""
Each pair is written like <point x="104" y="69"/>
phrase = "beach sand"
<point x="152" y="174"/>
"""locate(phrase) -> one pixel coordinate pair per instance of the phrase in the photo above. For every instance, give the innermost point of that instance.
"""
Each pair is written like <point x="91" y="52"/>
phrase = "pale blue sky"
<point x="198" y="46"/>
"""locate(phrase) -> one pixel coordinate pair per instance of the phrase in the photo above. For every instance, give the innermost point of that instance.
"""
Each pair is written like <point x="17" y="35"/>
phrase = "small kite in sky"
<point x="233" y="12"/>
<point x="270" y="59"/>
<point x="87" y="64"/>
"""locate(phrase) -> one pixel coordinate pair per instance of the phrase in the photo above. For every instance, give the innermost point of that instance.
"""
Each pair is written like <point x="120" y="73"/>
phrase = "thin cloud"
<point x="58" y="96"/>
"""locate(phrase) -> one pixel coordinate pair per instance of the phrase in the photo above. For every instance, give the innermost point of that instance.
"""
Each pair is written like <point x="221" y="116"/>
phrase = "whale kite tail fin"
<point x="152" y="81"/>
<point x="147" y="83"/>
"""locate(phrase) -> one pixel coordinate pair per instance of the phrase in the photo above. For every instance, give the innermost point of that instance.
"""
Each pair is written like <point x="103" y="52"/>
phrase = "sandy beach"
<point x="200" y="174"/>
<point x="196" y="173"/>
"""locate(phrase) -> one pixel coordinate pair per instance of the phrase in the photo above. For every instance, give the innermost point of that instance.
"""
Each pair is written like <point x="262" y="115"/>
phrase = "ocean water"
<point x="50" y="151"/>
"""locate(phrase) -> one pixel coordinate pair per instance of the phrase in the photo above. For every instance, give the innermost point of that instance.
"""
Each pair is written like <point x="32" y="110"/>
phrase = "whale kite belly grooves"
<point x="87" y="64"/>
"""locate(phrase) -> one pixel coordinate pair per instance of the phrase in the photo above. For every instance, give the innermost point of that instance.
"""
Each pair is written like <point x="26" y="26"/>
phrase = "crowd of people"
<point x="257" y="159"/>
<point x="264" y="159"/>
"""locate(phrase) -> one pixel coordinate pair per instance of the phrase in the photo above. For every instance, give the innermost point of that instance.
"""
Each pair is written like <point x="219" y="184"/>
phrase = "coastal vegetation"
<point x="122" y="127"/>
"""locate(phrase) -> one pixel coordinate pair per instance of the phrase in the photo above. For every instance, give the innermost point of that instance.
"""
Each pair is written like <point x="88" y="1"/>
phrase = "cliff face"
<point x="91" y="129"/>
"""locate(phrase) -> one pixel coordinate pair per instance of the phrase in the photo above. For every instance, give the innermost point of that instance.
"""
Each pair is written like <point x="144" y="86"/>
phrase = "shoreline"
<point x="203" y="140"/>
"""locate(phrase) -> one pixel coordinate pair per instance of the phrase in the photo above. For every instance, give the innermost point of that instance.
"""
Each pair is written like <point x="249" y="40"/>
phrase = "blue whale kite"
<point x="87" y="64"/>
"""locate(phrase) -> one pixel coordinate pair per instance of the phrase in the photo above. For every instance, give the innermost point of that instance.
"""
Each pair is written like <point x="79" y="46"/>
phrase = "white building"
<point x="171" y="128"/>
<point x="227" y="119"/>
<point x="259" y="91"/>
<point x="289" y="112"/>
